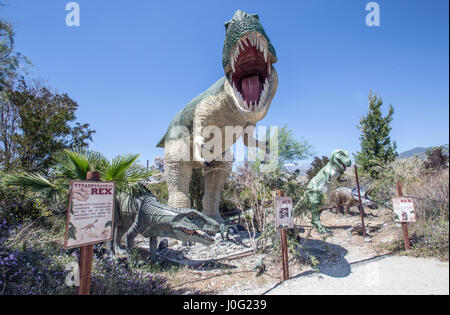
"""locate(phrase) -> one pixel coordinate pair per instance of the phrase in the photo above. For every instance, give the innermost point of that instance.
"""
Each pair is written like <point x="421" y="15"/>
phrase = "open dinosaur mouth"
<point x="342" y="164"/>
<point x="250" y="71"/>
<point x="206" y="235"/>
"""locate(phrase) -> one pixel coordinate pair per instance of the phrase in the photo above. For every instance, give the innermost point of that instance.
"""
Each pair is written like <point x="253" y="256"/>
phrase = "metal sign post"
<point x="360" y="207"/>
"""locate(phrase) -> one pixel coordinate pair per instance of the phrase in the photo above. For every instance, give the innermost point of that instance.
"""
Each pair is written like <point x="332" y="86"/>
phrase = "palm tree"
<point x="74" y="165"/>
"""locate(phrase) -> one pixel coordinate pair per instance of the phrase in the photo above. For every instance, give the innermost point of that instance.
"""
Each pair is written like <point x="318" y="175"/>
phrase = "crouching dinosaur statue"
<point x="235" y="103"/>
<point x="343" y="198"/>
<point x="145" y="215"/>
<point x="318" y="191"/>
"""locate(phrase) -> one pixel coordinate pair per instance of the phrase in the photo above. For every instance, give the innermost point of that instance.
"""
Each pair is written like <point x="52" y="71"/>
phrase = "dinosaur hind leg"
<point x="215" y="178"/>
<point x="178" y="177"/>
<point x="131" y="234"/>
<point x="315" y="220"/>
<point x="118" y="234"/>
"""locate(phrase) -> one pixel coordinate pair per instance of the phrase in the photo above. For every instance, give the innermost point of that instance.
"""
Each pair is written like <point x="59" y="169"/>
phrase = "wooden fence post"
<point x="360" y="207"/>
<point x="86" y="255"/>
<point x="283" y="242"/>
<point x="404" y="224"/>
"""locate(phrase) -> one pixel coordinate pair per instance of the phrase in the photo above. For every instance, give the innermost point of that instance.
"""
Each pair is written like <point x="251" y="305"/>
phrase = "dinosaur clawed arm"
<point x="199" y="145"/>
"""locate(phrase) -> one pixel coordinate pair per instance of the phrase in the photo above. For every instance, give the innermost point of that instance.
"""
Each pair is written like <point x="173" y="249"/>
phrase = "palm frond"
<point x="97" y="161"/>
<point x="34" y="182"/>
<point x="74" y="165"/>
<point x="137" y="173"/>
<point x="117" y="168"/>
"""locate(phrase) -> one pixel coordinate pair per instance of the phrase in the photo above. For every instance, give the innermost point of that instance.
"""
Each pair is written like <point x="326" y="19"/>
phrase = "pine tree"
<point x="316" y="165"/>
<point x="376" y="147"/>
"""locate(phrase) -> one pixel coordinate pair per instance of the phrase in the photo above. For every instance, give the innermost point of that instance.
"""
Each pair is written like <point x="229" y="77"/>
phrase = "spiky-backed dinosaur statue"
<point x="319" y="189"/>
<point x="343" y="198"/>
<point x="238" y="100"/>
<point x="145" y="215"/>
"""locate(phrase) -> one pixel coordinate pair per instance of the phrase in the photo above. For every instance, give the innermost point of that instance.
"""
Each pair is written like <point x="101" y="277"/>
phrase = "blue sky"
<point x="132" y="65"/>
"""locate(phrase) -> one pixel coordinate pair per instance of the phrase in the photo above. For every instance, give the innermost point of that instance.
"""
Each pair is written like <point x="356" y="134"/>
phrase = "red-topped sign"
<point x="404" y="209"/>
<point x="90" y="214"/>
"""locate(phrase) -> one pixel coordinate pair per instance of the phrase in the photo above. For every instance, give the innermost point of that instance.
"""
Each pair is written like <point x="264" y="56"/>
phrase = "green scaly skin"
<point x="320" y="187"/>
<point x="150" y="218"/>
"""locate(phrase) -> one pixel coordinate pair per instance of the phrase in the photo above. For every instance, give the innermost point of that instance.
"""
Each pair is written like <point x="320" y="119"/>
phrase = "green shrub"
<point x="437" y="158"/>
<point x="160" y="191"/>
<point x="431" y="202"/>
<point x="17" y="205"/>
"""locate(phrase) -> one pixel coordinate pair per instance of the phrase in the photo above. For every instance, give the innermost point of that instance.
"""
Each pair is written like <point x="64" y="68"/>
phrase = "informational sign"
<point x="404" y="210"/>
<point x="283" y="213"/>
<point x="91" y="213"/>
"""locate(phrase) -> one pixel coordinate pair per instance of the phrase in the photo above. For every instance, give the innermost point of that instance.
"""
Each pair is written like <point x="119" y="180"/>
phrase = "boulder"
<point x="163" y="243"/>
<point x="371" y="227"/>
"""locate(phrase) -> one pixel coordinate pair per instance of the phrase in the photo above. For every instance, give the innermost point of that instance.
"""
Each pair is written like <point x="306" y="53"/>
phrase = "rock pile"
<point x="228" y="245"/>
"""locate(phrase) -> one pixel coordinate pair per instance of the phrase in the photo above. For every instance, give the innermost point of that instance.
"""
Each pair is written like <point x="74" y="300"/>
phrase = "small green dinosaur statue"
<point x="319" y="189"/>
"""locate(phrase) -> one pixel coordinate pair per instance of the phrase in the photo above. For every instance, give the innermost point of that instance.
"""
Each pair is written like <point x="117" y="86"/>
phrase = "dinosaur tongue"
<point x="251" y="88"/>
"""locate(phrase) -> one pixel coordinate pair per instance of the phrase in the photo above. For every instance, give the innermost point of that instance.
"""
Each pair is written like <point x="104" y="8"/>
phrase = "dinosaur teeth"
<point x="200" y="232"/>
<point x="241" y="45"/>
<point x="258" y="41"/>
<point x="264" y="94"/>
<point x="253" y="104"/>
<point x="255" y="39"/>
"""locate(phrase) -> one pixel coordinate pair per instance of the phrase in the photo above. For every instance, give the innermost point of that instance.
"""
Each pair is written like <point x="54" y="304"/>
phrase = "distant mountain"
<point x="302" y="168"/>
<point x="410" y="153"/>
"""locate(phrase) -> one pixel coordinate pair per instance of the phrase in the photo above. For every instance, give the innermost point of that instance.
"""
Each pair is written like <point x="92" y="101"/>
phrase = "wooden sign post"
<point x="90" y="218"/>
<point x="404" y="220"/>
<point x="284" y="221"/>
<point x="360" y="207"/>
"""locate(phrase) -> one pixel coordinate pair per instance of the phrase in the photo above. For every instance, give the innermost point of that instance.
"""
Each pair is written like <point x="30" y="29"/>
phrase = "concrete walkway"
<point x="399" y="275"/>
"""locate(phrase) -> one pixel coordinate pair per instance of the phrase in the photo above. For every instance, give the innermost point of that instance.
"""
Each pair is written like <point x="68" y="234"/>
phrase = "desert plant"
<point x="430" y="192"/>
<point x="249" y="188"/>
<point x="437" y="158"/>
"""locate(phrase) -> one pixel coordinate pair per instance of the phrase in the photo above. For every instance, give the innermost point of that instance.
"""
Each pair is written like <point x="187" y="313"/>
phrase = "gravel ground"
<point x="396" y="275"/>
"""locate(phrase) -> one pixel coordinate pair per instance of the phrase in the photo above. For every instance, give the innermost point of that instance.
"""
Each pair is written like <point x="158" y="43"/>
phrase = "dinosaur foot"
<point x="324" y="230"/>
<point x="320" y="228"/>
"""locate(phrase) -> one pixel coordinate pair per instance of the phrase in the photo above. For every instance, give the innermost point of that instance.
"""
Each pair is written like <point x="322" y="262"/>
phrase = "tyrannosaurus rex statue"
<point x="319" y="189"/>
<point x="238" y="100"/>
